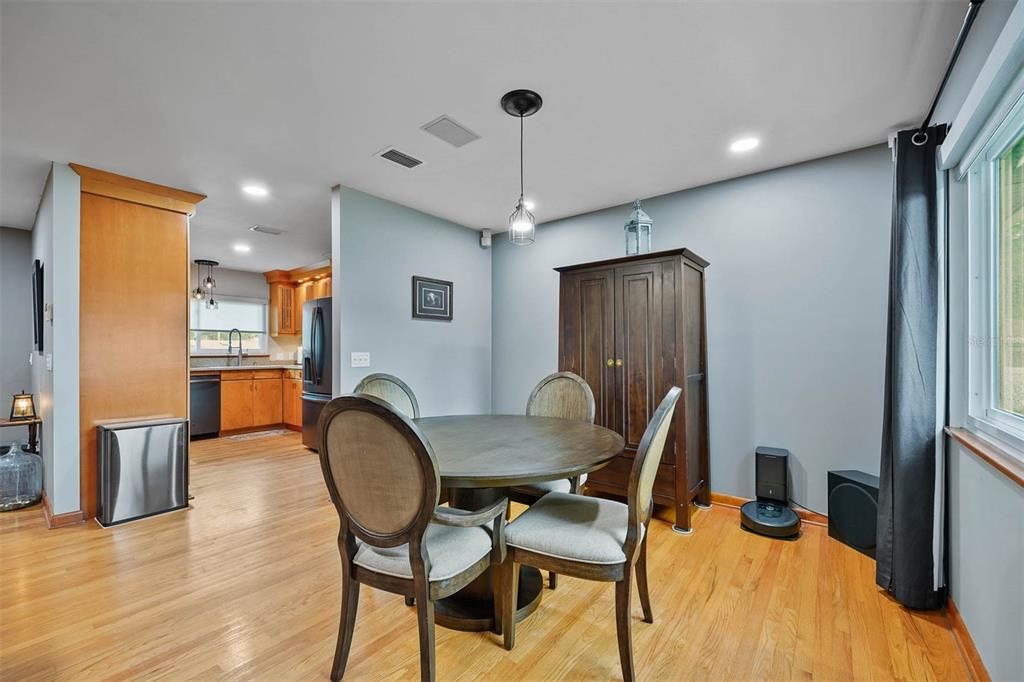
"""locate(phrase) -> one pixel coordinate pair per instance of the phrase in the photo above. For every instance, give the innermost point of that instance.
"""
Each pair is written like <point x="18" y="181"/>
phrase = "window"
<point x="996" y="373"/>
<point x="208" y="328"/>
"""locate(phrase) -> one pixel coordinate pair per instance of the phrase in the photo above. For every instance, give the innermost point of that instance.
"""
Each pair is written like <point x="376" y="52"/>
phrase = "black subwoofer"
<point x="853" y="509"/>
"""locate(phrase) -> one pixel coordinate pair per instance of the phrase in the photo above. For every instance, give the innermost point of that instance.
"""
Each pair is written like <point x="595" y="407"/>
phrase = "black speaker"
<point x="853" y="509"/>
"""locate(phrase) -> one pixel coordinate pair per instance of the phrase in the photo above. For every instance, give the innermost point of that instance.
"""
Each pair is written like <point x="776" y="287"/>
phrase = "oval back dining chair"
<point x="382" y="477"/>
<point x="562" y="395"/>
<point x="391" y="390"/>
<point x="593" y="538"/>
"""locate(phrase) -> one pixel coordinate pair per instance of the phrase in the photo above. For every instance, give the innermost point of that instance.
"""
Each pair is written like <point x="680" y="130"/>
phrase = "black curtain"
<point x="911" y="526"/>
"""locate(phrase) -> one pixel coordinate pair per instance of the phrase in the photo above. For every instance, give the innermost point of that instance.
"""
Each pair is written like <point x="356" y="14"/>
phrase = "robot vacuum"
<point x="770" y="514"/>
<point x="768" y="517"/>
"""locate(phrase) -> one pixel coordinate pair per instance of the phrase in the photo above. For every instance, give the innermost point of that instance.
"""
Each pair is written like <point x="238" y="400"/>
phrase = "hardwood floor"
<point x="245" y="586"/>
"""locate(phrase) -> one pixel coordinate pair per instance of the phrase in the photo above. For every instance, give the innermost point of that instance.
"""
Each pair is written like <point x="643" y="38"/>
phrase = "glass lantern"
<point x="639" y="231"/>
<point x="21" y="478"/>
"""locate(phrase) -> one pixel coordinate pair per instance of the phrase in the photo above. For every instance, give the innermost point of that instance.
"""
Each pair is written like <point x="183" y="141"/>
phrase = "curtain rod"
<point x="972" y="13"/>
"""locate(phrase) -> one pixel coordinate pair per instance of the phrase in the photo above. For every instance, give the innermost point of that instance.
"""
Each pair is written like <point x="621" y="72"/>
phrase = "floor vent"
<point x="401" y="158"/>
<point x="451" y="132"/>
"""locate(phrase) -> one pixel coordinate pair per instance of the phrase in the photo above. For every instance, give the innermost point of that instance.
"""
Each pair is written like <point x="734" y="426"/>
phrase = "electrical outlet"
<point x="360" y="359"/>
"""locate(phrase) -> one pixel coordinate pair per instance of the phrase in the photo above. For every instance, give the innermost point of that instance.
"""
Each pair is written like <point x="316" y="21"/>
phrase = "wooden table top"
<point x="498" y="451"/>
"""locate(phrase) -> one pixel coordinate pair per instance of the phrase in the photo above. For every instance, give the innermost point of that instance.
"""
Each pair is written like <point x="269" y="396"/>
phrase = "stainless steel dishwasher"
<point x="204" y="392"/>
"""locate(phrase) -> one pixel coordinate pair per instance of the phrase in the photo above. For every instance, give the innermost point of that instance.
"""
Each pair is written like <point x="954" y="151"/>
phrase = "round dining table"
<point x="481" y="457"/>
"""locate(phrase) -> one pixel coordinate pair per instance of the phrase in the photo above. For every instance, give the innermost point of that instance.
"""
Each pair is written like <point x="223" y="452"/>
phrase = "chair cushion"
<point x="586" y="529"/>
<point x="545" y="487"/>
<point x="451" y="551"/>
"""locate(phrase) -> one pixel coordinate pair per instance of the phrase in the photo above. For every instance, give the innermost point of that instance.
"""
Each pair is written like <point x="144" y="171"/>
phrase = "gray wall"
<point x="796" y="307"/>
<point x="15" y="320"/>
<point x="55" y="241"/>
<point x="382" y="245"/>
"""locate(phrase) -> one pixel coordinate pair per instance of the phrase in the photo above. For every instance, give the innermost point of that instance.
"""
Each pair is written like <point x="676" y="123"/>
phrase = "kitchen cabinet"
<point x="259" y="397"/>
<point x="236" y="401"/>
<point x="633" y="328"/>
<point x="283" y="317"/>
<point x="266" y="401"/>
<point x="289" y="289"/>
<point x="291" y="399"/>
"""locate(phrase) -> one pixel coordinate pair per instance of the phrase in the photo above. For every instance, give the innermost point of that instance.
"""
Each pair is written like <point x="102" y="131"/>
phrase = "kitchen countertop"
<point x="232" y="368"/>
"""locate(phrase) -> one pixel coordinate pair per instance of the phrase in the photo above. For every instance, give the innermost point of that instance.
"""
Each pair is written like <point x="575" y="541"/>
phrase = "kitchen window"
<point x="209" y="328"/>
<point x="996" y="196"/>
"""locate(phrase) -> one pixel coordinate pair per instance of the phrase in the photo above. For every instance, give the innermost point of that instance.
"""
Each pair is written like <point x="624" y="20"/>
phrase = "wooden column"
<point x="133" y="352"/>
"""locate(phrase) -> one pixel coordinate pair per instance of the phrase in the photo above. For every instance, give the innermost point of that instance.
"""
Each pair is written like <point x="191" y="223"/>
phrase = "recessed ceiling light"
<point x="744" y="144"/>
<point x="529" y="204"/>
<point x="255" y="190"/>
<point x="241" y="248"/>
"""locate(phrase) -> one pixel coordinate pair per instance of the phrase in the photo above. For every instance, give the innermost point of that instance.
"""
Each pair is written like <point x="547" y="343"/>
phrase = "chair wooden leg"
<point x="349" y="604"/>
<point x="509" y="599"/>
<point x="641" y="582"/>
<point x="497" y="590"/>
<point x="552" y="580"/>
<point x="623" y="589"/>
<point x="425" y="621"/>
<point x="410" y="601"/>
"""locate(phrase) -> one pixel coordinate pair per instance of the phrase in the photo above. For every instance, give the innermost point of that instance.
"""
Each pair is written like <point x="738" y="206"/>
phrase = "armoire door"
<point x="587" y="336"/>
<point x="638" y="348"/>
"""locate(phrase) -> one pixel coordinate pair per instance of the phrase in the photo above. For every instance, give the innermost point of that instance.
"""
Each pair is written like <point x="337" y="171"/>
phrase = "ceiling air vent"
<point x="451" y="132"/>
<point x="263" y="229"/>
<point x="401" y="158"/>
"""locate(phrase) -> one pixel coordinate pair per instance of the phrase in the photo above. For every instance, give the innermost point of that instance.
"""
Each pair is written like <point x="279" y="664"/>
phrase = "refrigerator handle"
<point x="316" y="344"/>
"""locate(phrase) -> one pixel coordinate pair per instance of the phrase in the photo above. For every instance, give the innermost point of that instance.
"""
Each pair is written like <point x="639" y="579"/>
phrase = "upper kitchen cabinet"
<point x="289" y="289"/>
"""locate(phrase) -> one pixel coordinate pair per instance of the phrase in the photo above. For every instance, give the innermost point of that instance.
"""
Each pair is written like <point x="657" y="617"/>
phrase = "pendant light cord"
<point x="521" y="184"/>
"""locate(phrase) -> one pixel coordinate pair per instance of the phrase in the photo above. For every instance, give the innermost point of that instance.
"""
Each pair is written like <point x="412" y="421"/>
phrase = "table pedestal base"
<point x="471" y="609"/>
<point x="475" y="612"/>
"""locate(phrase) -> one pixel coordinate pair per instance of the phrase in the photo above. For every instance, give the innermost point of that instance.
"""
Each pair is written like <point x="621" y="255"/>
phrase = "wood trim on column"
<point x="735" y="502"/>
<point x="103" y="183"/>
<point x="964" y="642"/>
<point x="60" y="520"/>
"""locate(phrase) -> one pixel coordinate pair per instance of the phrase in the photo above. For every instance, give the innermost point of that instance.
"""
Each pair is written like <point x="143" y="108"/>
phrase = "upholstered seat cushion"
<point x="451" y="551"/>
<point x="545" y="487"/>
<point x="586" y="529"/>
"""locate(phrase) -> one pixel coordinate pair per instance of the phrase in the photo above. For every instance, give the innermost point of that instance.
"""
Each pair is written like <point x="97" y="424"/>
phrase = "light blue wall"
<point x="796" y="308"/>
<point x="986" y="534"/>
<point x="55" y="241"/>
<point x="382" y="245"/>
<point x="15" y="320"/>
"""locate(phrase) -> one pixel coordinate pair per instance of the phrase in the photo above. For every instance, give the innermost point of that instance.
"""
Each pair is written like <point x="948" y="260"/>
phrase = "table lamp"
<point x="23" y="407"/>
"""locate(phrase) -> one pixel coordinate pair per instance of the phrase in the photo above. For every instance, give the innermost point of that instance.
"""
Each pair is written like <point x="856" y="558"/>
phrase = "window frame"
<point x="983" y="414"/>
<point x="264" y="333"/>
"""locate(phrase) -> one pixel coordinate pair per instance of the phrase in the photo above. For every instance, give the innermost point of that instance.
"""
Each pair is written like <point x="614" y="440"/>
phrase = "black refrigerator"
<point x="316" y="367"/>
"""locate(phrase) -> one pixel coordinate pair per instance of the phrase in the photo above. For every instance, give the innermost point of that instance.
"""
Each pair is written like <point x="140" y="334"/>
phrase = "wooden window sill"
<point x="990" y="451"/>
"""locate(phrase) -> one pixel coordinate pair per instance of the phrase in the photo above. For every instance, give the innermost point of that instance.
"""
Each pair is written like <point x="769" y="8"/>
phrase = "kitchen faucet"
<point x="233" y="331"/>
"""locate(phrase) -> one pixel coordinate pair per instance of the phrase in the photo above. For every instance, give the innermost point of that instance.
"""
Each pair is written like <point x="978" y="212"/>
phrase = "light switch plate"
<point x="360" y="359"/>
<point x="49" y="362"/>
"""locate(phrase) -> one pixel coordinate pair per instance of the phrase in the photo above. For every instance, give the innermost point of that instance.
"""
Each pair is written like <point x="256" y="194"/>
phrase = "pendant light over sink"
<point x="522" y="226"/>
<point x="205" y="286"/>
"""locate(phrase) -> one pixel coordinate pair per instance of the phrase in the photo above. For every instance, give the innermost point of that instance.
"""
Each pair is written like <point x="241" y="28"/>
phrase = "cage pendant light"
<point x="198" y="293"/>
<point x="522" y="226"/>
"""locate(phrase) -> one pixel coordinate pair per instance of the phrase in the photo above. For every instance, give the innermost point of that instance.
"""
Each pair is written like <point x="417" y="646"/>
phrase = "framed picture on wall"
<point x="431" y="299"/>
<point x="37" y="304"/>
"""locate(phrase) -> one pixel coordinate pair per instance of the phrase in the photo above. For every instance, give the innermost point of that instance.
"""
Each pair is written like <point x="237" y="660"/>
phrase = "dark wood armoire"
<point x="634" y="327"/>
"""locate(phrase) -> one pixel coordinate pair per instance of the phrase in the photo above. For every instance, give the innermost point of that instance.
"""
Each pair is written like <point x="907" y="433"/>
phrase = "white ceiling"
<point x="639" y="99"/>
